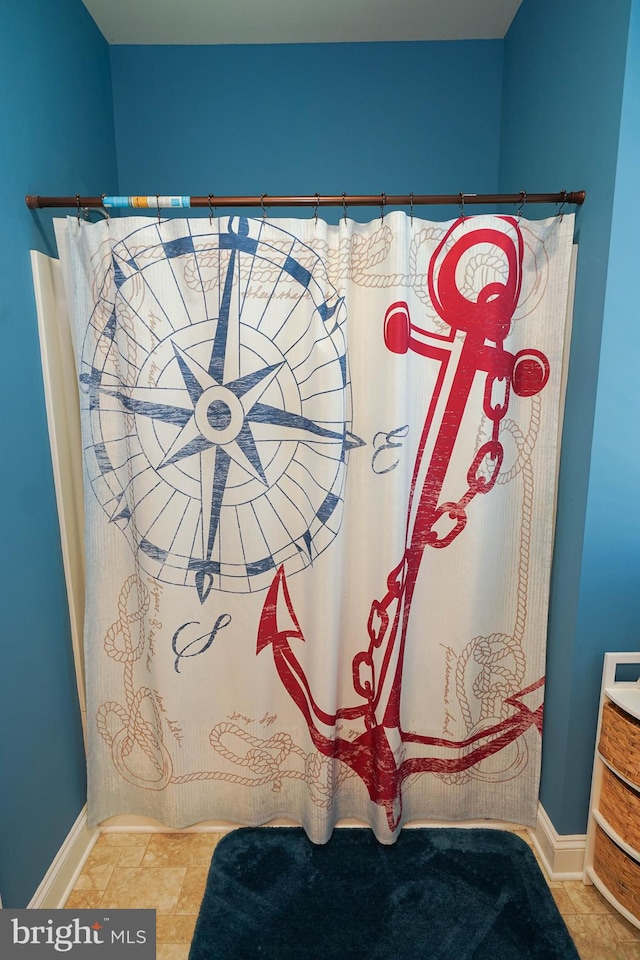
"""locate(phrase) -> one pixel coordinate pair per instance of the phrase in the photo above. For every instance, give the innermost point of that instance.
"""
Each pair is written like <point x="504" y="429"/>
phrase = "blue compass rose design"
<point x="215" y="375"/>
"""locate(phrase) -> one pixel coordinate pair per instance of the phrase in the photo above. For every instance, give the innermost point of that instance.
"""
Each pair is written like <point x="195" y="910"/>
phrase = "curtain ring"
<point x="78" y="206"/>
<point x="315" y="211"/>
<point x="461" y="206"/>
<point x="344" y="206"/>
<point x="158" y="206"/>
<point x="523" y="200"/>
<point x="210" y="210"/>
<point x="411" y="207"/>
<point x="383" y="200"/>
<point x="264" y="209"/>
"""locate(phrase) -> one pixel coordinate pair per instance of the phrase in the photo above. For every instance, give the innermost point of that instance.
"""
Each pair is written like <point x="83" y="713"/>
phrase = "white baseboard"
<point x="562" y="856"/>
<point x="61" y="876"/>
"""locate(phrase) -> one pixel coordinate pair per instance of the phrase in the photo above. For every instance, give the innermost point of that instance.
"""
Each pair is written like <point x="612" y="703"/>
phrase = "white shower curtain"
<point x="319" y="466"/>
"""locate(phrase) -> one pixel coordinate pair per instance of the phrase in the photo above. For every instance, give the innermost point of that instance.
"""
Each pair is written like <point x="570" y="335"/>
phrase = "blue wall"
<point x="563" y="82"/>
<point x="305" y="118"/>
<point x="609" y="608"/>
<point x="57" y="137"/>
<point x="358" y="118"/>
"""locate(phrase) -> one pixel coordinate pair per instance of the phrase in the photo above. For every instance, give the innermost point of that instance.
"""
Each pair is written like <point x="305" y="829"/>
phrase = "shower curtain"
<point x="319" y="473"/>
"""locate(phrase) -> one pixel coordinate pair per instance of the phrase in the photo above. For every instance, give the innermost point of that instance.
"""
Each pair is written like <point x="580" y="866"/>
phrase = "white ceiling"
<point x="299" y="21"/>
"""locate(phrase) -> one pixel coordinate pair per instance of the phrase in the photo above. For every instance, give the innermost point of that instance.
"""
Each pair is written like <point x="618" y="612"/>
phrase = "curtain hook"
<point x="264" y="209"/>
<point x="83" y="211"/>
<point x="560" y="212"/>
<point x="106" y="212"/>
<point x="383" y="200"/>
<point x="158" y="206"/>
<point x="461" y="206"/>
<point x="523" y="200"/>
<point x="315" y="211"/>
<point x="210" y="210"/>
<point x="344" y="206"/>
<point x="411" y="207"/>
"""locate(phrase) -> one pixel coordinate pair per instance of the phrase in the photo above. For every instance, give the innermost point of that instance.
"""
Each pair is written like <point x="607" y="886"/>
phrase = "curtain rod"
<point x="157" y="202"/>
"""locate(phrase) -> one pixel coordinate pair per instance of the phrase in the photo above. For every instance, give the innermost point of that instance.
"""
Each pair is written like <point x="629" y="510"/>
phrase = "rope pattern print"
<point x="134" y="730"/>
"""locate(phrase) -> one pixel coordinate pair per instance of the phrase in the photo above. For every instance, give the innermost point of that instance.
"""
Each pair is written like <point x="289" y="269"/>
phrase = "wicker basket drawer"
<point x="619" y="873"/>
<point x="620" y="742"/>
<point x="619" y="804"/>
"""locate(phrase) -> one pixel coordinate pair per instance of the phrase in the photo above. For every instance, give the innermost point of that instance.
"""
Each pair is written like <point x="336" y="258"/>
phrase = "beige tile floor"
<point x="167" y="872"/>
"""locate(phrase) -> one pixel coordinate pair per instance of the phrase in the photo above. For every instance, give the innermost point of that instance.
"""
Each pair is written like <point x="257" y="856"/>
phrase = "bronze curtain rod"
<point x="211" y="201"/>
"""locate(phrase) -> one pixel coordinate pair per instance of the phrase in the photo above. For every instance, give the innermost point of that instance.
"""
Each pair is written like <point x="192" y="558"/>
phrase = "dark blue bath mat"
<point x="441" y="894"/>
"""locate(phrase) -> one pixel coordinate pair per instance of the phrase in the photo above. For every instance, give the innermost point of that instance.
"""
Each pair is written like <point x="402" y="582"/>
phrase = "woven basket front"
<point x="619" y="804"/>
<point x="620" y="742"/>
<point x="619" y="873"/>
